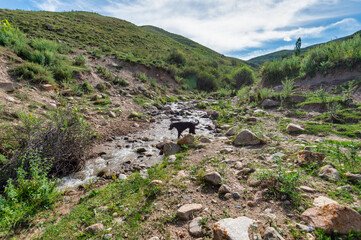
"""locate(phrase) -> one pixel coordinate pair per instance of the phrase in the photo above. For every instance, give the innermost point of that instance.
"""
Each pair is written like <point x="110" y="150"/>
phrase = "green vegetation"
<point x="319" y="59"/>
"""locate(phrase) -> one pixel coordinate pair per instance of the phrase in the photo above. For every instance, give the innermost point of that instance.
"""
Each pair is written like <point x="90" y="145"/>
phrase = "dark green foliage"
<point x="275" y="72"/>
<point x="34" y="72"/>
<point x="206" y="82"/>
<point x="79" y="61"/>
<point x="175" y="57"/>
<point x="243" y="76"/>
<point x="63" y="73"/>
<point x="298" y="47"/>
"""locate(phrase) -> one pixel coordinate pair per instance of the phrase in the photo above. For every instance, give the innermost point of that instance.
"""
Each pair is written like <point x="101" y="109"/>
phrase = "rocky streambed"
<point x="126" y="154"/>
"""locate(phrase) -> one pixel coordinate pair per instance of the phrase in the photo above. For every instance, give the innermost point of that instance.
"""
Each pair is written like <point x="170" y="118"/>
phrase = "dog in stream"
<point x="181" y="126"/>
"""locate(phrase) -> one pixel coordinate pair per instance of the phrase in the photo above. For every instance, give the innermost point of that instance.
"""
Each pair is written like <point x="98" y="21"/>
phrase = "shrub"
<point x="31" y="192"/>
<point x="63" y="73"/>
<point x="206" y="82"/>
<point x="34" y="72"/>
<point x="79" y="61"/>
<point x="43" y="45"/>
<point x="243" y="76"/>
<point x="62" y="141"/>
<point x="175" y="57"/>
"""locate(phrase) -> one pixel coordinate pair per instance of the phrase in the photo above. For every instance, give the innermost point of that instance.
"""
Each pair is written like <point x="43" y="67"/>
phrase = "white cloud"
<point x="48" y="5"/>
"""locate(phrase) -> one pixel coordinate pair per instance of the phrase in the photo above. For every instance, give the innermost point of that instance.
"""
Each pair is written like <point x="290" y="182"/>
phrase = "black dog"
<point x="181" y="126"/>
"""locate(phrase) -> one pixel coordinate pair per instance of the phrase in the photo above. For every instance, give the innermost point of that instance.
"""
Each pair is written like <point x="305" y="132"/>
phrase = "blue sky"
<point x="238" y="28"/>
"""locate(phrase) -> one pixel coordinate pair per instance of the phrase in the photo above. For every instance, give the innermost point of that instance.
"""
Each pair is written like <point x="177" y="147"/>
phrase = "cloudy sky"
<point x="238" y="28"/>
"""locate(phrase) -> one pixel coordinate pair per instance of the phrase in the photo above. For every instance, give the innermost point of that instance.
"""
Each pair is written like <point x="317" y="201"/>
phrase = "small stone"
<point x="187" y="140"/>
<point x="170" y="148"/>
<point x="270" y="103"/>
<point x="227" y="196"/>
<point x="187" y="210"/>
<point x="238" y="165"/>
<point x="195" y="229"/>
<point x="330" y="173"/>
<point x="213" y="178"/>
<point x="94" y="228"/>
<point x="10" y="99"/>
<point x="303" y="227"/>
<point x="122" y="176"/>
<point x="155" y="183"/>
<point x="224" y="189"/>
<point x="232" y="131"/>
<point x="236" y="195"/>
<point x="47" y="87"/>
<point x="235" y="229"/>
<point x="322" y="201"/>
<point x="258" y="196"/>
<point x="353" y="177"/>
<point x="172" y="158"/>
<point x="246" y="137"/>
<point x="204" y="140"/>
<point x="292" y="128"/>
<point x="108" y="236"/>
<point x="141" y="150"/>
<point x="111" y="114"/>
<point x="308" y="189"/>
<point x="51" y="106"/>
<point x="251" y="204"/>
<point x="271" y="234"/>
<point x="154" y="238"/>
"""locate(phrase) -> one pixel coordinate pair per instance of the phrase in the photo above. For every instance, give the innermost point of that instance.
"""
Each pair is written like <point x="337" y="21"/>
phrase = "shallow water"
<point x="158" y="131"/>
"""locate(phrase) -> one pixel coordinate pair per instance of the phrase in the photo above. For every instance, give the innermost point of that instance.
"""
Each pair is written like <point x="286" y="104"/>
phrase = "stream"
<point x="138" y="151"/>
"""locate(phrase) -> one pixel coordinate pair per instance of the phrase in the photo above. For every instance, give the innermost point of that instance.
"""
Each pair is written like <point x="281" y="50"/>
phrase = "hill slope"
<point x="285" y="53"/>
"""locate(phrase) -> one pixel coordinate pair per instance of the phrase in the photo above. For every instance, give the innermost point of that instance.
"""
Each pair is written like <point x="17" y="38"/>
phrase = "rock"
<point x="10" y="87"/>
<point x="246" y="137"/>
<point x="226" y="150"/>
<point x="322" y="201"/>
<point x="291" y="128"/>
<point x="233" y="229"/>
<point x="47" y="87"/>
<point x="204" y="140"/>
<point x="254" y="182"/>
<point x="155" y="182"/>
<point x="225" y="127"/>
<point x="236" y="195"/>
<point x="306" y="157"/>
<point x="214" y="178"/>
<point x="329" y="173"/>
<point x="308" y="189"/>
<point x="172" y="158"/>
<point x="232" y="131"/>
<point x="271" y="234"/>
<point x="333" y="217"/>
<point x="195" y="229"/>
<point x="303" y="227"/>
<point x="94" y="228"/>
<point x="251" y="203"/>
<point x="10" y="99"/>
<point x="244" y="172"/>
<point x="111" y="114"/>
<point x="144" y="174"/>
<point x="122" y="177"/>
<point x="141" y="150"/>
<point x="224" y="189"/>
<point x="51" y="106"/>
<point x="270" y="103"/>
<point x="187" y="140"/>
<point x="238" y="165"/>
<point x="108" y="236"/>
<point x="353" y="177"/>
<point x="258" y="196"/>
<point x="185" y="212"/>
<point x="227" y="196"/>
<point x="170" y="148"/>
<point x="259" y="111"/>
<point x="67" y="92"/>
<point x="154" y="238"/>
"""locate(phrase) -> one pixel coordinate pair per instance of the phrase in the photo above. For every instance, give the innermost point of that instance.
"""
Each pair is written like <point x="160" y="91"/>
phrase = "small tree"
<point x="298" y="47"/>
<point x="244" y="76"/>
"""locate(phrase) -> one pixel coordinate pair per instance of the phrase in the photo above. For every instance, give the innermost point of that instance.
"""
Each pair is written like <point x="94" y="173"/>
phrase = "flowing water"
<point x="123" y="150"/>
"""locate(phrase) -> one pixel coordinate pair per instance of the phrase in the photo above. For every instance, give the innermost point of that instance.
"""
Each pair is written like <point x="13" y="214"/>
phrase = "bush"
<point x="30" y="193"/>
<point x="63" y="73"/>
<point x="62" y="141"/>
<point x="34" y="72"/>
<point x="79" y="61"/>
<point x="243" y="76"/>
<point x="43" y="45"/>
<point x="206" y="82"/>
<point x="175" y="57"/>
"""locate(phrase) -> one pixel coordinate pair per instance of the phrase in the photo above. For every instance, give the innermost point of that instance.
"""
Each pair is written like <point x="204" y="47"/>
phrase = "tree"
<point x="243" y="77"/>
<point x="298" y="47"/>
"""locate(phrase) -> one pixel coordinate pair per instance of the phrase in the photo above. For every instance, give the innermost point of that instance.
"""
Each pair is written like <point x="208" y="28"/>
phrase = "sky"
<point x="237" y="28"/>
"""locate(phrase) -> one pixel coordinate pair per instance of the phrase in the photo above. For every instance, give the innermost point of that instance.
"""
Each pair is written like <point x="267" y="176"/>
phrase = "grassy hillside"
<point x="147" y="45"/>
<point x="260" y="60"/>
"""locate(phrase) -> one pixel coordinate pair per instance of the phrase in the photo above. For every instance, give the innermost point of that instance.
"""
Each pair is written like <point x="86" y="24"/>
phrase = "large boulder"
<point x="213" y="178"/>
<point x="246" y="137"/>
<point x="170" y="148"/>
<point x="187" y="140"/>
<point x="333" y="217"/>
<point x="268" y="103"/>
<point x="292" y="128"/>
<point x="232" y="229"/>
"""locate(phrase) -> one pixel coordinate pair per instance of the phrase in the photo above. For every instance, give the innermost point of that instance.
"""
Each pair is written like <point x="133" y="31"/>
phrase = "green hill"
<point x="260" y="60"/>
<point x="146" y="45"/>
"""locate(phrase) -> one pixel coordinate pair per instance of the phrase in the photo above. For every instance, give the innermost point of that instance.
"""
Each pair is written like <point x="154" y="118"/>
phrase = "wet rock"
<point x="185" y="212"/>
<point x="333" y="217"/>
<point x="213" y="178"/>
<point x="270" y="103"/>
<point x="329" y="173"/>
<point x="246" y="137"/>
<point x="10" y="87"/>
<point x="224" y="189"/>
<point x="170" y="148"/>
<point x="195" y="229"/>
<point x="232" y="131"/>
<point x="271" y="234"/>
<point x="234" y="229"/>
<point x="353" y="177"/>
<point x="306" y="157"/>
<point x="94" y="228"/>
<point x="322" y="201"/>
<point x="292" y="128"/>
<point x="187" y="140"/>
